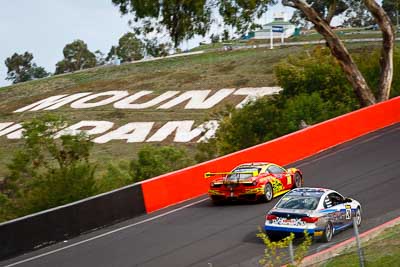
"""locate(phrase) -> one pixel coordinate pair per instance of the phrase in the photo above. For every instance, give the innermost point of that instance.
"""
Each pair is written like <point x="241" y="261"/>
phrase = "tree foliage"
<point x="392" y="8"/>
<point x="275" y="251"/>
<point x="47" y="172"/>
<point x="339" y="51"/>
<point x="326" y="9"/>
<point x="314" y="90"/>
<point x="156" y="49"/>
<point x="183" y="20"/>
<point x="357" y="15"/>
<point x="77" y="56"/>
<point x="129" y="48"/>
<point x="21" y="69"/>
<point x="153" y="161"/>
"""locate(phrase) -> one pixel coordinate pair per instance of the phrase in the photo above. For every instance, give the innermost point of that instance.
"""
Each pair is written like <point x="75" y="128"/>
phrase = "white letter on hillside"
<point x="197" y="99"/>
<point x="52" y="102"/>
<point x="209" y="127"/>
<point x="97" y="127"/>
<point x="115" y="95"/>
<point x="12" y="132"/>
<point x="255" y="92"/>
<point x="126" y="103"/>
<point x="183" y="129"/>
<point x="133" y="132"/>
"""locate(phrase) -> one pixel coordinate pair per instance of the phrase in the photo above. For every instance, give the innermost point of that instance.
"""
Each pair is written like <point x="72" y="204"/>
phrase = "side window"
<point x="275" y="169"/>
<point x="336" y="199"/>
<point x="327" y="202"/>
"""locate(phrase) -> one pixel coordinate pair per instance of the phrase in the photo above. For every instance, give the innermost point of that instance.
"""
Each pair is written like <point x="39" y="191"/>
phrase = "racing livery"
<point x="253" y="181"/>
<point x="321" y="212"/>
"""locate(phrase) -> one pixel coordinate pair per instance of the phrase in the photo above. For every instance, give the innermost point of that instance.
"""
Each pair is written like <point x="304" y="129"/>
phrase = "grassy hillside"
<point x="211" y="71"/>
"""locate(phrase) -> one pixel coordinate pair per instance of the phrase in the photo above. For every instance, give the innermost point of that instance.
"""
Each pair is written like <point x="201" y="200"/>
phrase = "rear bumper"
<point x="269" y="228"/>
<point x="249" y="197"/>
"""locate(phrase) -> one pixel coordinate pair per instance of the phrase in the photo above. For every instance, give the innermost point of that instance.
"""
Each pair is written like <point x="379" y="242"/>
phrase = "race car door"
<point x="342" y="214"/>
<point x="282" y="175"/>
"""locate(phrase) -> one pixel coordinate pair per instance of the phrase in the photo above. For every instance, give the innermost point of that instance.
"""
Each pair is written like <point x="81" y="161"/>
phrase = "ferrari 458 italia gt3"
<point x="253" y="181"/>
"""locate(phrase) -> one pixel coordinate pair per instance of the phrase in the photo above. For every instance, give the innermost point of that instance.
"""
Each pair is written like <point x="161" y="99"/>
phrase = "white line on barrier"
<point x="106" y="234"/>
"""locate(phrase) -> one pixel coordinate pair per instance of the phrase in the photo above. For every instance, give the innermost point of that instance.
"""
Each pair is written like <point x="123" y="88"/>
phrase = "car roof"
<point x="253" y="164"/>
<point x="310" y="191"/>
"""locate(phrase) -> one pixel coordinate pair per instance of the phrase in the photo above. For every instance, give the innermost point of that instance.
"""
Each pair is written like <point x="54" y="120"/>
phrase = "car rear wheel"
<point x="328" y="233"/>
<point x="358" y="216"/>
<point x="298" y="180"/>
<point x="268" y="192"/>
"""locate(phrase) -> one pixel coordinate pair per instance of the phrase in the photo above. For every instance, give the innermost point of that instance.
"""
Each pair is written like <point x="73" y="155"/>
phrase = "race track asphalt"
<point x="196" y="233"/>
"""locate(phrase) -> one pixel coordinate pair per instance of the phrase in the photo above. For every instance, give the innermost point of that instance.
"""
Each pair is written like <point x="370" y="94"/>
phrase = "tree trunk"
<point x="338" y="50"/>
<point x="386" y="60"/>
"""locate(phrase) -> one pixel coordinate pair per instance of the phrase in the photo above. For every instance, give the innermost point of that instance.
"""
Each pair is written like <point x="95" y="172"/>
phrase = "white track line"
<point x="106" y="234"/>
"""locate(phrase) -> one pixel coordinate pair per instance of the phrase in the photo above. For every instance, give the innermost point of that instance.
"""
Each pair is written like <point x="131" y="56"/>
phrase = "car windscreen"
<point x="298" y="202"/>
<point x="242" y="173"/>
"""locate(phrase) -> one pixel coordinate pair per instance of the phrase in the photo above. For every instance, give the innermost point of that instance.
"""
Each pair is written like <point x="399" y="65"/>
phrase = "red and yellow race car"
<point x="253" y="181"/>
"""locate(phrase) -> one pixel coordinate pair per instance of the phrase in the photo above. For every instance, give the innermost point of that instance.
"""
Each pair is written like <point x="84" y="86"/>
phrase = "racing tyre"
<point x="273" y="236"/>
<point x="268" y="192"/>
<point x="328" y="233"/>
<point x="358" y="216"/>
<point x="298" y="180"/>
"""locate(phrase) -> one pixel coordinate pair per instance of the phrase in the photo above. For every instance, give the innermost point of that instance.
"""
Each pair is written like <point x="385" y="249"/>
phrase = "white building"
<point x="279" y="20"/>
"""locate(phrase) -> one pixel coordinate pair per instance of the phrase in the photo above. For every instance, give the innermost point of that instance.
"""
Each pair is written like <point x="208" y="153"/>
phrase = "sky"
<point x="44" y="27"/>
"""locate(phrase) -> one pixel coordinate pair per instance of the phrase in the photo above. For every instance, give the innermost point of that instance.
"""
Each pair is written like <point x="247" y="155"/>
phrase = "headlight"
<point x="255" y="182"/>
<point x="212" y="184"/>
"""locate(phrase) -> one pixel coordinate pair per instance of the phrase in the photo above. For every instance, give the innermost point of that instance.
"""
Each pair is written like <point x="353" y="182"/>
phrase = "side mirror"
<point x="348" y="200"/>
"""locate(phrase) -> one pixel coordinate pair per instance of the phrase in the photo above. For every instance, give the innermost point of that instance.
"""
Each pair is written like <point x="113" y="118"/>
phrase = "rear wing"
<point x="210" y="174"/>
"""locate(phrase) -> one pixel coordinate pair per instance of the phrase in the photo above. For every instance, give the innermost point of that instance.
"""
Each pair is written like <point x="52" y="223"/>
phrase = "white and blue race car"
<point x="321" y="212"/>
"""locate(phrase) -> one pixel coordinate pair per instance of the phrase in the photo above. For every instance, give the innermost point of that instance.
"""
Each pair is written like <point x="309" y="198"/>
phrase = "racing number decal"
<point x="289" y="179"/>
<point x="348" y="212"/>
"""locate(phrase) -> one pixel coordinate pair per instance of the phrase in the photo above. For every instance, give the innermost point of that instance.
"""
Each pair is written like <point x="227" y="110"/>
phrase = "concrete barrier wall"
<point x="187" y="183"/>
<point x="61" y="223"/>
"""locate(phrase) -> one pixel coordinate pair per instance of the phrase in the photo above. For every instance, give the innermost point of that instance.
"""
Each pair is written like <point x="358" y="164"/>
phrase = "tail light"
<point x="309" y="219"/>
<point x="270" y="217"/>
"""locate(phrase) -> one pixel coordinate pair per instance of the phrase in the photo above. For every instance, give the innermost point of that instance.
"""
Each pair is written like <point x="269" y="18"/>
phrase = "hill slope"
<point x="213" y="71"/>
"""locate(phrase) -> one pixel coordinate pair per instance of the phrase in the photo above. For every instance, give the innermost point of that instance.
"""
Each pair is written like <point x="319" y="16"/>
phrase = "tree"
<point x="184" y="19"/>
<point x="339" y="51"/>
<point x="76" y="57"/>
<point x="48" y="172"/>
<point x="156" y="49"/>
<point x="392" y="8"/>
<point x="357" y="15"/>
<point x="21" y="69"/>
<point x="100" y="59"/>
<point x="112" y="53"/>
<point x="129" y="48"/>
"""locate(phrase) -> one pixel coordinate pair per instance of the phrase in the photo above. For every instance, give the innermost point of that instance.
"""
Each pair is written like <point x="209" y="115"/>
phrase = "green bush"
<point x="369" y="67"/>
<point x="315" y="71"/>
<point x="117" y="175"/>
<point x="47" y="172"/>
<point x="153" y="161"/>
